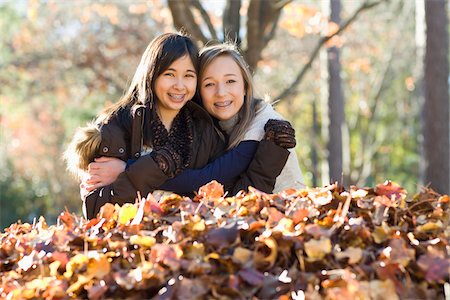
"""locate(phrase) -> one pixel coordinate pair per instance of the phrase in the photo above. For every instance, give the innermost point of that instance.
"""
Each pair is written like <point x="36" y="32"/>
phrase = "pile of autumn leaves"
<point x="311" y="243"/>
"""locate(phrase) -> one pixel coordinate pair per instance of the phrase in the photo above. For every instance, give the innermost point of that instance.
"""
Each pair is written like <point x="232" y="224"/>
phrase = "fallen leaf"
<point x="353" y="254"/>
<point x="211" y="190"/>
<point x="390" y="190"/>
<point x="317" y="249"/>
<point x="143" y="241"/>
<point x="127" y="213"/>
<point x="436" y="268"/>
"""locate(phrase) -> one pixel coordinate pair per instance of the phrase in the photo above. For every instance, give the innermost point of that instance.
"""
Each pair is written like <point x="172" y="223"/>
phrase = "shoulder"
<point x="201" y="118"/>
<point x="264" y="113"/>
<point x="197" y="112"/>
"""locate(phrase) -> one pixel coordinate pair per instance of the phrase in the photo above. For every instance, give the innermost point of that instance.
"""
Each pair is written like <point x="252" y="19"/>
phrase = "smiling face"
<point x="222" y="88"/>
<point x="175" y="86"/>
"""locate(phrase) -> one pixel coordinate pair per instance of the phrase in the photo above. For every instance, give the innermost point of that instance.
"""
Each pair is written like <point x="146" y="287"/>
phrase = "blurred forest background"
<point x="365" y="84"/>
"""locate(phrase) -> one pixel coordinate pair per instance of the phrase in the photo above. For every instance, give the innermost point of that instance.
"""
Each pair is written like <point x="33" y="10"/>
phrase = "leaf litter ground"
<point x="315" y="243"/>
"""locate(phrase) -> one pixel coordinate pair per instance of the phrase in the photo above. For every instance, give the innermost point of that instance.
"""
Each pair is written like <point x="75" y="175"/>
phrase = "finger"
<point x="93" y="180"/>
<point x="287" y="145"/>
<point x="93" y="166"/>
<point x="286" y="140"/>
<point x="279" y="140"/>
<point x="103" y="159"/>
<point x="94" y="186"/>
<point x="284" y="129"/>
<point x="94" y="172"/>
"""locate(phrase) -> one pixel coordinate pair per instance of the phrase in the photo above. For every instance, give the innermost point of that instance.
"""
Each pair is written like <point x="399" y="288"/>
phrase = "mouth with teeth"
<point x="222" y="104"/>
<point x="177" y="97"/>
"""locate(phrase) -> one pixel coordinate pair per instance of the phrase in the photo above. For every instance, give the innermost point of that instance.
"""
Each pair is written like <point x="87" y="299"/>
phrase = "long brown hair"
<point x="159" y="55"/>
<point x="248" y="110"/>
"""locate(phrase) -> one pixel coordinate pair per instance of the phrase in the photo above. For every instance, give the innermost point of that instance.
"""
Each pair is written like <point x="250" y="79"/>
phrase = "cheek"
<point x="193" y="86"/>
<point x="206" y="99"/>
<point x="161" y="85"/>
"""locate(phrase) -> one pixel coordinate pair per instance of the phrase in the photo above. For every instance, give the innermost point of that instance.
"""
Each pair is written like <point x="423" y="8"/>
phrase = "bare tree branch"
<point x="262" y="21"/>
<point x="184" y="19"/>
<point x="292" y="89"/>
<point x="253" y="51"/>
<point x="271" y="33"/>
<point x="206" y="19"/>
<point x="281" y="3"/>
<point x="232" y="21"/>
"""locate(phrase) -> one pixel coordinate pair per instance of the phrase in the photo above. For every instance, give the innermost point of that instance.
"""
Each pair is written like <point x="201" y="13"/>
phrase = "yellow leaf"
<point x="353" y="253"/>
<point x="75" y="262"/>
<point x="242" y="255"/>
<point x="195" y="251"/>
<point x="82" y="280"/>
<point x="317" y="249"/>
<point x="430" y="226"/>
<point x="127" y="213"/>
<point x="98" y="265"/>
<point x="380" y="233"/>
<point x="145" y="241"/>
<point x="54" y="267"/>
<point x="285" y="225"/>
<point x="262" y="258"/>
<point x="382" y="290"/>
<point x="212" y="255"/>
<point x="199" y="225"/>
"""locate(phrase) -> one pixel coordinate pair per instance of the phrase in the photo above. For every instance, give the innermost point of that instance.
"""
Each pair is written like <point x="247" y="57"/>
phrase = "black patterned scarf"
<point x="180" y="136"/>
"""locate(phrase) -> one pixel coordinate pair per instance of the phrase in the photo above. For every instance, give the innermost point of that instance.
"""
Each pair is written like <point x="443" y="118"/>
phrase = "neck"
<point x="228" y="125"/>
<point x="166" y="117"/>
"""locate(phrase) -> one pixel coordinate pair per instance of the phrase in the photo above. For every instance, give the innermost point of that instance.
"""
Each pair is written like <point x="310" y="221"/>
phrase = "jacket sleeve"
<point x="225" y="169"/>
<point x="143" y="176"/>
<point x="95" y="200"/>
<point x="267" y="164"/>
<point x="114" y="133"/>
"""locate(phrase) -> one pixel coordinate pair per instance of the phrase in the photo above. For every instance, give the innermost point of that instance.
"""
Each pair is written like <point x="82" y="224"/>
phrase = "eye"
<point x="231" y="81"/>
<point x="190" y="75"/>
<point x="169" y="74"/>
<point x="209" y="84"/>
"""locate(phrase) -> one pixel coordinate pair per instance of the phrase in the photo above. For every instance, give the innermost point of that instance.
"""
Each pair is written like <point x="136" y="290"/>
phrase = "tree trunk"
<point x="314" y="145"/>
<point x="436" y="107"/>
<point x="335" y="103"/>
<point x="232" y="21"/>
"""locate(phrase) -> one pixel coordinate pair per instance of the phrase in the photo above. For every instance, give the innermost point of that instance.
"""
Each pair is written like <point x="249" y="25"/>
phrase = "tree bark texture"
<point x="232" y="21"/>
<point x="335" y="103"/>
<point x="436" y="107"/>
<point x="262" y="21"/>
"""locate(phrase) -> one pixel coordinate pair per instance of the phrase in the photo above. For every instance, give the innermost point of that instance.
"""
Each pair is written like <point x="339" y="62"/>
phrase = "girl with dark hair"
<point x="154" y="117"/>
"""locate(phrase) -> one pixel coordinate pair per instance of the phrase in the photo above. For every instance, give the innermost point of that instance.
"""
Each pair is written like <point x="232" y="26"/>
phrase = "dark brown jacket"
<point x="122" y="137"/>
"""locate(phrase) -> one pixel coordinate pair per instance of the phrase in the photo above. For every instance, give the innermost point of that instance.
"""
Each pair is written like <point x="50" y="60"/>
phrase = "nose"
<point x="221" y="90"/>
<point x="179" y="83"/>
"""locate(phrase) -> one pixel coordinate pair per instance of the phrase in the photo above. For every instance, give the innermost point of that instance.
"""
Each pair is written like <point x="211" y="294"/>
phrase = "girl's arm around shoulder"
<point x="226" y="169"/>
<point x="266" y="166"/>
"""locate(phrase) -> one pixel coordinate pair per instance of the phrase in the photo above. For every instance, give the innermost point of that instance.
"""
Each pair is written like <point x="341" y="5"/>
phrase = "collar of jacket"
<point x="138" y="114"/>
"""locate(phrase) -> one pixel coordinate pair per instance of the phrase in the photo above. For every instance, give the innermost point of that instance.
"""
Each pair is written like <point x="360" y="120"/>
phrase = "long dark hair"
<point x="159" y="55"/>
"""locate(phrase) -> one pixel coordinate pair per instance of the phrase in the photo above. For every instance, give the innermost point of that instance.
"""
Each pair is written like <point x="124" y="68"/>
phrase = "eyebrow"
<point x="230" y="74"/>
<point x="173" y="70"/>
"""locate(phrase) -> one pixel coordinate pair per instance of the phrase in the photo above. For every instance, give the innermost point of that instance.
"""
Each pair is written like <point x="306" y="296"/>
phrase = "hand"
<point x="280" y="132"/>
<point x="83" y="191"/>
<point x="103" y="172"/>
<point x="168" y="160"/>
